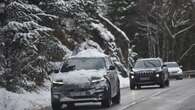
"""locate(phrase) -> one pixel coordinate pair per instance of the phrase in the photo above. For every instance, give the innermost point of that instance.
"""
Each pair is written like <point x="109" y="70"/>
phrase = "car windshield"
<point x="172" y="65"/>
<point x="147" y="64"/>
<point x="84" y="64"/>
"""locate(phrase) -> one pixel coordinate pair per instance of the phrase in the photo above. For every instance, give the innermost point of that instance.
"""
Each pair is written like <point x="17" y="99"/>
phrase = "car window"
<point x="172" y="65"/>
<point x="147" y="64"/>
<point x="108" y="62"/>
<point x="84" y="63"/>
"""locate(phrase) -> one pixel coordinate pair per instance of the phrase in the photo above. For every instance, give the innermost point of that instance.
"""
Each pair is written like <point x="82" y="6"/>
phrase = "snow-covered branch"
<point x="114" y="27"/>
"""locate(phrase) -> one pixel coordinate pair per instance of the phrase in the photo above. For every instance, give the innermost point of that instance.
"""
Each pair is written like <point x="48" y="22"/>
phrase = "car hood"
<point x="146" y="69"/>
<point x="79" y="76"/>
<point x="174" y="69"/>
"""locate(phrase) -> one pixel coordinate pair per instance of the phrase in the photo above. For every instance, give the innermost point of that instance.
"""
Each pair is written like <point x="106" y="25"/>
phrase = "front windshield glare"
<point x="147" y="64"/>
<point x="85" y="63"/>
<point x="172" y="65"/>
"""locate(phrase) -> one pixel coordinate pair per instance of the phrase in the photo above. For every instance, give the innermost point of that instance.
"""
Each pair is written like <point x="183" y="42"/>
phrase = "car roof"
<point x="170" y="62"/>
<point x="143" y="59"/>
<point x="88" y="57"/>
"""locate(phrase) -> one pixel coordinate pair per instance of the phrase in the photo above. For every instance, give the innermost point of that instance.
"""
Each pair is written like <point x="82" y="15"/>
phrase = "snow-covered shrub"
<point x="26" y="47"/>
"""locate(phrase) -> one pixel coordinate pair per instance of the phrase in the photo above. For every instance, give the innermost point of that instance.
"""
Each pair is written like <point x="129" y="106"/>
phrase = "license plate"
<point x="145" y="78"/>
<point x="78" y="94"/>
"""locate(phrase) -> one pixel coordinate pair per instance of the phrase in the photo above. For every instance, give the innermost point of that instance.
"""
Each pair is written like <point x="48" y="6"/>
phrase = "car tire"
<point x="117" y="98"/>
<point x="107" y="100"/>
<point x="167" y="83"/>
<point x="56" y="105"/>
<point x="179" y="78"/>
<point x="70" y="105"/>
<point x="138" y="86"/>
<point x="162" y="84"/>
<point x="132" y="85"/>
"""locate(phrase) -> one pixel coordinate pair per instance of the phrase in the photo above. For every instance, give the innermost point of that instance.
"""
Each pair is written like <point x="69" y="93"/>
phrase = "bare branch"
<point x="169" y="31"/>
<point x="186" y="52"/>
<point x="183" y="30"/>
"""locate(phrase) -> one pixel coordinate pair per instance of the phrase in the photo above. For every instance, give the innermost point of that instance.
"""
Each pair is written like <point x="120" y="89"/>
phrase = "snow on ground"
<point x="124" y="82"/>
<point x="34" y="100"/>
<point x="25" y="101"/>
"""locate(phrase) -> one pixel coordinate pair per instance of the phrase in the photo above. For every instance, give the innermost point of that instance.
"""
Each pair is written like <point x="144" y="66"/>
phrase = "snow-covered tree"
<point x="26" y="46"/>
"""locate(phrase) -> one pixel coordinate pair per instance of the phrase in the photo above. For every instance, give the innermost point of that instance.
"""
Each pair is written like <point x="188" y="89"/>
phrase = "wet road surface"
<point x="179" y="96"/>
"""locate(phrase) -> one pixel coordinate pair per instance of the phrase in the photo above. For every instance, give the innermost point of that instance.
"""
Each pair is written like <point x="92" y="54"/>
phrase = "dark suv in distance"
<point x="85" y="79"/>
<point x="149" y="71"/>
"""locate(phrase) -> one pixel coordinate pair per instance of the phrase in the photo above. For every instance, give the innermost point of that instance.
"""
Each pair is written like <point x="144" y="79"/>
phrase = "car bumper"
<point x="79" y="100"/>
<point x="148" y="81"/>
<point x="93" y="95"/>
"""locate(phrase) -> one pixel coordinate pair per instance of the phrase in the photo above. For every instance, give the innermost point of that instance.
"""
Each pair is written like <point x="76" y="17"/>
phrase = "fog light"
<point x="132" y="77"/>
<point x="157" y="75"/>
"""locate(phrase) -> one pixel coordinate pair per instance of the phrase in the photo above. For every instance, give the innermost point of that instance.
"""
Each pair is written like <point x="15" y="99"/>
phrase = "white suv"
<point x="175" y="70"/>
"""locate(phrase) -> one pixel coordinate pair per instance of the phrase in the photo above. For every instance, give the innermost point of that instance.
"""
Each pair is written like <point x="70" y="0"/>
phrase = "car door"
<point x="111" y="76"/>
<point x="115" y="75"/>
<point x="165" y="70"/>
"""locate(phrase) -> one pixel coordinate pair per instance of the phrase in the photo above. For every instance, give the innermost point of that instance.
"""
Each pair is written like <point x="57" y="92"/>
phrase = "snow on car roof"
<point x="170" y="62"/>
<point x="89" y="53"/>
<point x="149" y="59"/>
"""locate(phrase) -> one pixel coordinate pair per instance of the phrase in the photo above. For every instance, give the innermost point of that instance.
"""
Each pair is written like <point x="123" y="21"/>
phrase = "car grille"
<point x="66" y="88"/>
<point x="145" y="74"/>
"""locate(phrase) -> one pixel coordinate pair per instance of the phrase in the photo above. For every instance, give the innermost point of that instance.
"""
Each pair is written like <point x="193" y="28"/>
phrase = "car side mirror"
<point x="181" y="66"/>
<point x="55" y="71"/>
<point x="68" y="68"/>
<point x="112" y="68"/>
<point x="131" y="68"/>
<point x="164" y="66"/>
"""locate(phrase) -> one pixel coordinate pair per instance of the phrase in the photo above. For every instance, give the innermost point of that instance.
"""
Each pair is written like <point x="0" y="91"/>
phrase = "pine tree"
<point x="26" y="46"/>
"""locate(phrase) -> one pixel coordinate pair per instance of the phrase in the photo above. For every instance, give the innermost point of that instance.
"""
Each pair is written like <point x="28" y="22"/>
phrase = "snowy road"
<point x="179" y="96"/>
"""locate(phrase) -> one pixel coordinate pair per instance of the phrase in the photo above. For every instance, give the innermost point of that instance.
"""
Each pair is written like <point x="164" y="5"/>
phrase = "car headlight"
<point x="179" y="71"/>
<point x="132" y="77"/>
<point x="58" y="82"/>
<point x="98" y="80"/>
<point x="157" y="75"/>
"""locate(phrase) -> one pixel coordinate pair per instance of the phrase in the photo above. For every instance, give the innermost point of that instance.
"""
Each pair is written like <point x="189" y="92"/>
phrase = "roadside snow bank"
<point x="124" y="82"/>
<point x="34" y="100"/>
<point x="25" y="101"/>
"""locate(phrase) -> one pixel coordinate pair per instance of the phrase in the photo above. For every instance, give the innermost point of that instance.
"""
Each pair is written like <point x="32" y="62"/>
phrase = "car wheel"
<point x="70" y="105"/>
<point x="179" y="78"/>
<point x="132" y="85"/>
<point x="107" y="101"/>
<point x="162" y="85"/>
<point x="138" y="86"/>
<point x="117" y="98"/>
<point x="56" y="105"/>
<point x="167" y="83"/>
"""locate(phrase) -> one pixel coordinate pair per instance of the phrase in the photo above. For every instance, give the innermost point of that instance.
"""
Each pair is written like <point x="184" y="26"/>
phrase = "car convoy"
<point x="95" y="79"/>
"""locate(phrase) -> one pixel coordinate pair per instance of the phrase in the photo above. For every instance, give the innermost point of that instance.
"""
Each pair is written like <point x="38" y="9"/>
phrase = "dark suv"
<point x="85" y="79"/>
<point x="149" y="71"/>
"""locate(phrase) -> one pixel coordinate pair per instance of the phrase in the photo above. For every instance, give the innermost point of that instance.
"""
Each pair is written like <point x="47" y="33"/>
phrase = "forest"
<point x="35" y="34"/>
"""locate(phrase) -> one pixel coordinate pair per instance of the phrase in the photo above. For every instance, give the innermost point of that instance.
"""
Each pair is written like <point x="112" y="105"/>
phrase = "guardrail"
<point x="189" y="73"/>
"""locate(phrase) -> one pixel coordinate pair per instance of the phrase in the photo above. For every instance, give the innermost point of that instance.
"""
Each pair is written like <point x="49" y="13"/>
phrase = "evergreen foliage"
<point x="26" y="47"/>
